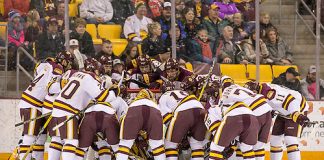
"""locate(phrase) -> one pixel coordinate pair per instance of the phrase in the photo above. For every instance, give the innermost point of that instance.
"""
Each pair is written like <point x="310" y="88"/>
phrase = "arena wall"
<point x="312" y="145"/>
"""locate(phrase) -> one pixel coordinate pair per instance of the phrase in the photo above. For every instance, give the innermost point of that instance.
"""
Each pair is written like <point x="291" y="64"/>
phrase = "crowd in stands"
<point x="205" y="29"/>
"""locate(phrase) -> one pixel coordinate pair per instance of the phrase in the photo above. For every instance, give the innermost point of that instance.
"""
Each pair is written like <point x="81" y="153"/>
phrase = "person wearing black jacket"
<point x="84" y="38"/>
<point x="288" y="79"/>
<point x="50" y="42"/>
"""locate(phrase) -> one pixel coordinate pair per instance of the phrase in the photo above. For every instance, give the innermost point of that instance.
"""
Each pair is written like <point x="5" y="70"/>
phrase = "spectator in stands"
<point x="106" y="49"/>
<point x="51" y="7"/>
<point x="131" y="54"/>
<point x="180" y="6"/>
<point x="165" y="21"/>
<point x="241" y="29"/>
<point x="278" y="48"/>
<point x="265" y="24"/>
<point x="16" y="36"/>
<point x="84" y="38"/>
<point x="288" y="79"/>
<point x="50" y="42"/>
<point x="200" y="49"/>
<point x="135" y="27"/>
<point x="213" y="24"/>
<point x="122" y="10"/>
<point x="247" y="8"/>
<point x="180" y="44"/>
<point x="39" y="6"/>
<point x="230" y="52"/>
<point x="59" y="15"/>
<point x="308" y="85"/>
<point x="153" y="45"/>
<point x="33" y="26"/>
<point x="227" y="9"/>
<point x="96" y="11"/>
<point x="191" y="23"/>
<point x="200" y="7"/>
<point x="249" y="49"/>
<point x="20" y="6"/>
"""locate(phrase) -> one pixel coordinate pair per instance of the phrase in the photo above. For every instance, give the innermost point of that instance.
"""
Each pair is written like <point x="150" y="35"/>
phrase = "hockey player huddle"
<point x="85" y="108"/>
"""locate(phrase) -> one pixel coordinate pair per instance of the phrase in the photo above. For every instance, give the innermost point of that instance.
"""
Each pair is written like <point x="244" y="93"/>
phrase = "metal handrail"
<point x="6" y="58"/>
<point x="304" y="21"/>
<point x="20" y="67"/>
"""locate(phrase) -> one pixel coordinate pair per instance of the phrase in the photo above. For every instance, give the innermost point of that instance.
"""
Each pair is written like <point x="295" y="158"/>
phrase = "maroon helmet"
<point x="106" y="60"/>
<point x="189" y="83"/>
<point x="143" y="60"/>
<point x="172" y="64"/>
<point x="64" y="55"/>
<point x="167" y="86"/>
<point x="252" y="85"/>
<point x="91" y="65"/>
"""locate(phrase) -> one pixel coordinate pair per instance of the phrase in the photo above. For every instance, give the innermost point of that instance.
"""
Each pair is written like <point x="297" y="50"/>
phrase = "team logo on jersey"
<point x="58" y="71"/>
<point x="271" y="94"/>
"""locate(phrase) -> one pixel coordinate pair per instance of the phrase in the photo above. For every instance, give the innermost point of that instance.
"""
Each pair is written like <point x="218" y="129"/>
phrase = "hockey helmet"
<point x="145" y="94"/>
<point x="167" y="86"/>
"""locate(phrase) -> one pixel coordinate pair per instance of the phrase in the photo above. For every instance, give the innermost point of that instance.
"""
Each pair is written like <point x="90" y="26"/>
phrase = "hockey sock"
<point x="38" y="149"/>
<point x="247" y="151"/>
<point x="259" y="151"/>
<point x="197" y="149"/>
<point x="157" y="149"/>
<point x="69" y="149"/>
<point x="216" y="152"/>
<point x="292" y="148"/>
<point x="24" y="146"/>
<point x="124" y="149"/>
<point x="276" y="147"/>
<point x="104" y="151"/>
<point x="171" y="150"/>
<point x="55" y="148"/>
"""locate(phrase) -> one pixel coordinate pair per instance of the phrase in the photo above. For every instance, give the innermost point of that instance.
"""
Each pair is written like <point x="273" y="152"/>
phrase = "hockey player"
<point x="183" y="113"/>
<point x="143" y="114"/>
<point x="107" y="65"/>
<point x="174" y="73"/>
<point x="74" y="97"/>
<point x="102" y="118"/>
<point x="259" y="106"/>
<point x="32" y="101"/>
<point x="292" y="108"/>
<point x="145" y="74"/>
<point x="54" y="88"/>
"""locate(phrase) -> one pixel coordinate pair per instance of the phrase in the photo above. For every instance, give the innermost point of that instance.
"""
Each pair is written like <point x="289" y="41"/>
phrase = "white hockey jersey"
<point x="54" y="88"/>
<point x="284" y="100"/>
<point x="35" y="94"/>
<point x="78" y="92"/>
<point x="176" y="101"/>
<point x="134" y="26"/>
<point x="256" y="102"/>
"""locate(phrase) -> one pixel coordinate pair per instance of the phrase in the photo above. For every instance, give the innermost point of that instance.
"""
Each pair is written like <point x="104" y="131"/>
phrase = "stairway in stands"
<point x="304" y="50"/>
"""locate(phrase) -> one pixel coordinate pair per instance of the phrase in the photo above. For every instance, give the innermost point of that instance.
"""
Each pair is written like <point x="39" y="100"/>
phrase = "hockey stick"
<point x="38" y="135"/>
<point x="33" y="119"/>
<point x="207" y="79"/>
<point x="73" y="116"/>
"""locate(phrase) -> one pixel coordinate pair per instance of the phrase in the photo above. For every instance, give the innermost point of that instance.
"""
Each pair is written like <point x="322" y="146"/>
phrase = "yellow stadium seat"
<point x="92" y="30"/>
<point x="119" y="46"/>
<point x="277" y="70"/>
<point x="2" y="7"/>
<point x="265" y="73"/>
<point x="73" y="10"/>
<point x="109" y="31"/>
<point x="3" y="31"/>
<point x="236" y="71"/>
